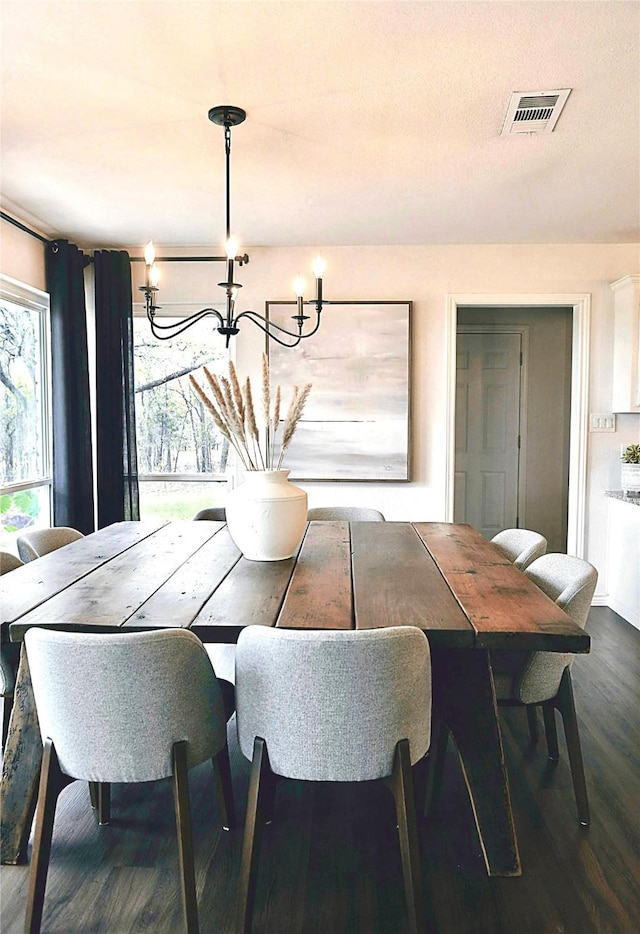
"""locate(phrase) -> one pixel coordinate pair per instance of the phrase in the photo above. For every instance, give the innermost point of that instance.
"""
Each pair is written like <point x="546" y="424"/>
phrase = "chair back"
<point x="345" y="513"/>
<point x="570" y="582"/>
<point x="213" y="514"/>
<point x="114" y="705"/>
<point x="520" y="546"/>
<point x="40" y="542"/>
<point x="9" y="562"/>
<point x="331" y="705"/>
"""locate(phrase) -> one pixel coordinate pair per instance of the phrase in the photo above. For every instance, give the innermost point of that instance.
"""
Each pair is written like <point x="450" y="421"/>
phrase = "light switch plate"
<point x="602" y="423"/>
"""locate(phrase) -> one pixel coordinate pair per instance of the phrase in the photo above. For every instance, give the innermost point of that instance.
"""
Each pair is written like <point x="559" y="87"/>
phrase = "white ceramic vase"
<point x="267" y="515"/>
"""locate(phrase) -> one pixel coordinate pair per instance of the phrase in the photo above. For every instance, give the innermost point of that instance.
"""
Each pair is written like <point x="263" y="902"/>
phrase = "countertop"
<point x="633" y="498"/>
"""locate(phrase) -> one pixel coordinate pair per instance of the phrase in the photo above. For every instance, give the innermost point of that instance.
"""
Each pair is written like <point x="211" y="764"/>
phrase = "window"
<point x="181" y="456"/>
<point x="25" y="416"/>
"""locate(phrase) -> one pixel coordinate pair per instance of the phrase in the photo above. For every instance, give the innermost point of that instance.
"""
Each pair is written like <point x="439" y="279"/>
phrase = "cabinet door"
<point x="626" y="345"/>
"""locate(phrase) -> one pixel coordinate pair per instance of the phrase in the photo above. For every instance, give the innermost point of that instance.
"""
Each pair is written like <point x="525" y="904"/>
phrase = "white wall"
<point x="425" y="275"/>
<point x="21" y="256"/>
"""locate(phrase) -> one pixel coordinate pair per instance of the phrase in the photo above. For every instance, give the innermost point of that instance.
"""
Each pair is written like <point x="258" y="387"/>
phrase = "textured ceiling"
<point x="368" y="123"/>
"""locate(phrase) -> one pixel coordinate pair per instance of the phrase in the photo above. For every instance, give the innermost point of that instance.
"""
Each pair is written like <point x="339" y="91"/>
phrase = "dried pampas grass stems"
<point x="233" y="412"/>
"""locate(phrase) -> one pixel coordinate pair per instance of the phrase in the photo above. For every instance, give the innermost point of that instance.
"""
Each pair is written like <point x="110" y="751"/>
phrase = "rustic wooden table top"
<point x="444" y="578"/>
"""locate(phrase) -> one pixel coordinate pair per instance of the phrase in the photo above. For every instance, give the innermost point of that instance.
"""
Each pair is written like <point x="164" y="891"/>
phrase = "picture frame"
<point x="356" y="424"/>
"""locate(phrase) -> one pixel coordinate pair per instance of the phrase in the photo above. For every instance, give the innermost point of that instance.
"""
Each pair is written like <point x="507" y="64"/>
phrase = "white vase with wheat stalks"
<point x="267" y="514"/>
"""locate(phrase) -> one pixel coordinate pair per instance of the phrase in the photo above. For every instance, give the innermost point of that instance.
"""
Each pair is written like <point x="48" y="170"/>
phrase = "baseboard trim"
<point x="626" y="612"/>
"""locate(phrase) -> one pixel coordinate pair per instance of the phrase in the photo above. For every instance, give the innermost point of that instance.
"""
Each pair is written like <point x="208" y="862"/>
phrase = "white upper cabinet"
<point x="626" y="345"/>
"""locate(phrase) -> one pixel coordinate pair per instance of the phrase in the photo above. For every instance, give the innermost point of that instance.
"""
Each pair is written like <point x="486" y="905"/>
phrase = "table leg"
<point x="464" y="694"/>
<point x="20" y="770"/>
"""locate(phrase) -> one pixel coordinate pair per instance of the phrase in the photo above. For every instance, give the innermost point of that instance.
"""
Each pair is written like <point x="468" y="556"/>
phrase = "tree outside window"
<point x="25" y="472"/>
<point x="181" y="457"/>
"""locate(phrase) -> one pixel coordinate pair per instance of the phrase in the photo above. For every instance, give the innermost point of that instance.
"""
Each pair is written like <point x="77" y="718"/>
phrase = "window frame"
<point x="34" y="300"/>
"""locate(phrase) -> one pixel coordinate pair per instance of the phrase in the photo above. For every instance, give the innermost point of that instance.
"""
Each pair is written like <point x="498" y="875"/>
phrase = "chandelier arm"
<point x="268" y="326"/>
<point x="261" y="322"/>
<point x="175" y="329"/>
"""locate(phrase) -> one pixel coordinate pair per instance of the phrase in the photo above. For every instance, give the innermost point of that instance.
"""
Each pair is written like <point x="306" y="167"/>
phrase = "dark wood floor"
<point x="330" y="861"/>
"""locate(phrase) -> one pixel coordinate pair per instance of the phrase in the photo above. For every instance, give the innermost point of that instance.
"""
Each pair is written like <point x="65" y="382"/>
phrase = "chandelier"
<point x="228" y="323"/>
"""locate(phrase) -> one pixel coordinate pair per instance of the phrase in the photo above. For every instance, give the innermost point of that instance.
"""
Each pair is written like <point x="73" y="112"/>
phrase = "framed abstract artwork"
<point x="356" y="424"/>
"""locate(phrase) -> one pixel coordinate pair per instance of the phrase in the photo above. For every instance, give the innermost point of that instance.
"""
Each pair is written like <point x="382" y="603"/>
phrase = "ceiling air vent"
<point x="534" y="111"/>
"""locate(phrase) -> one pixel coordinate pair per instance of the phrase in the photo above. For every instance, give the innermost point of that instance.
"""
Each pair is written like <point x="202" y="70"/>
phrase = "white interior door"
<point x="488" y="406"/>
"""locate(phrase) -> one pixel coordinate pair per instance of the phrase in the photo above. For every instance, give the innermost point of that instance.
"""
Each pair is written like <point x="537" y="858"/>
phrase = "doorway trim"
<point x="580" y="303"/>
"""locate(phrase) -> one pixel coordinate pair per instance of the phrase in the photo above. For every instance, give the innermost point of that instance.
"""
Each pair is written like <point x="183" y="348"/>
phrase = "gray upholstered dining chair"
<point x="40" y="542"/>
<point x="9" y="655"/>
<point x="346" y="513"/>
<point x="333" y="706"/>
<point x="520" y="546"/>
<point x="127" y="707"/>
<point x="9" y="562"/>
<point x="533" y="679"/>
<point x="213" y="514"/>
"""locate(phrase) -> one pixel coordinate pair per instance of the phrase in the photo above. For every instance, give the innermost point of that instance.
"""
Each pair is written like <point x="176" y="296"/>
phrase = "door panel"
<point x="487" y="430"/>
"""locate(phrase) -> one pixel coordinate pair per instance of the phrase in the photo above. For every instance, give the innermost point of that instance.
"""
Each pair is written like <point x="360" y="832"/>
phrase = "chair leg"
<point x="52" y="781"/>
<point x="551" y="732"/>
<point x="401" y="784"/>
<point x="532" y="720"/>
<point x="260" y="771"/>
<point x="185" y="840"/>
<point x="565" y="704"/>
<point x="437" y="756"/>
<point x="224" y="788"/>
<point x="104" y="803"/>
<point x="268" y="796"/>
<point x="100" y="798"/>
<point x="7" y="707"/>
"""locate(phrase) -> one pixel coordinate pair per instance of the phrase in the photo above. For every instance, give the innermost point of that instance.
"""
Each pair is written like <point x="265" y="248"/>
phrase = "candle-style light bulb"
<point x="319" y="267"/>
<point x="298" y="288"/>
<point x="149" y="258"/>
<point x="231" y="247"/>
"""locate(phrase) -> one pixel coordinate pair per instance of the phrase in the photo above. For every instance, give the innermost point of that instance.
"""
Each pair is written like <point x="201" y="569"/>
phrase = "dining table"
<point x="444" y="578"/>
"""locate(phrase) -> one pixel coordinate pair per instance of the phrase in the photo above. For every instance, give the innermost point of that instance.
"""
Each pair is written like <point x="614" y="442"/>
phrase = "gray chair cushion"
<point x="520" y="546"/>
<point x="114" y="705"/>
<point x="331" y="705"/>
<point x="214" y="513"/>
<point x="345" y="513"/>
<point x="40" y="542"/>
<point x="9" y="562"/>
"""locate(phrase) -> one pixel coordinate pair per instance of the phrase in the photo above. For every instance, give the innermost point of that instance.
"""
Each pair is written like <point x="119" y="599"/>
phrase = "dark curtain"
<point x="71" y="413"/>
<point x="117" y="466"/>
